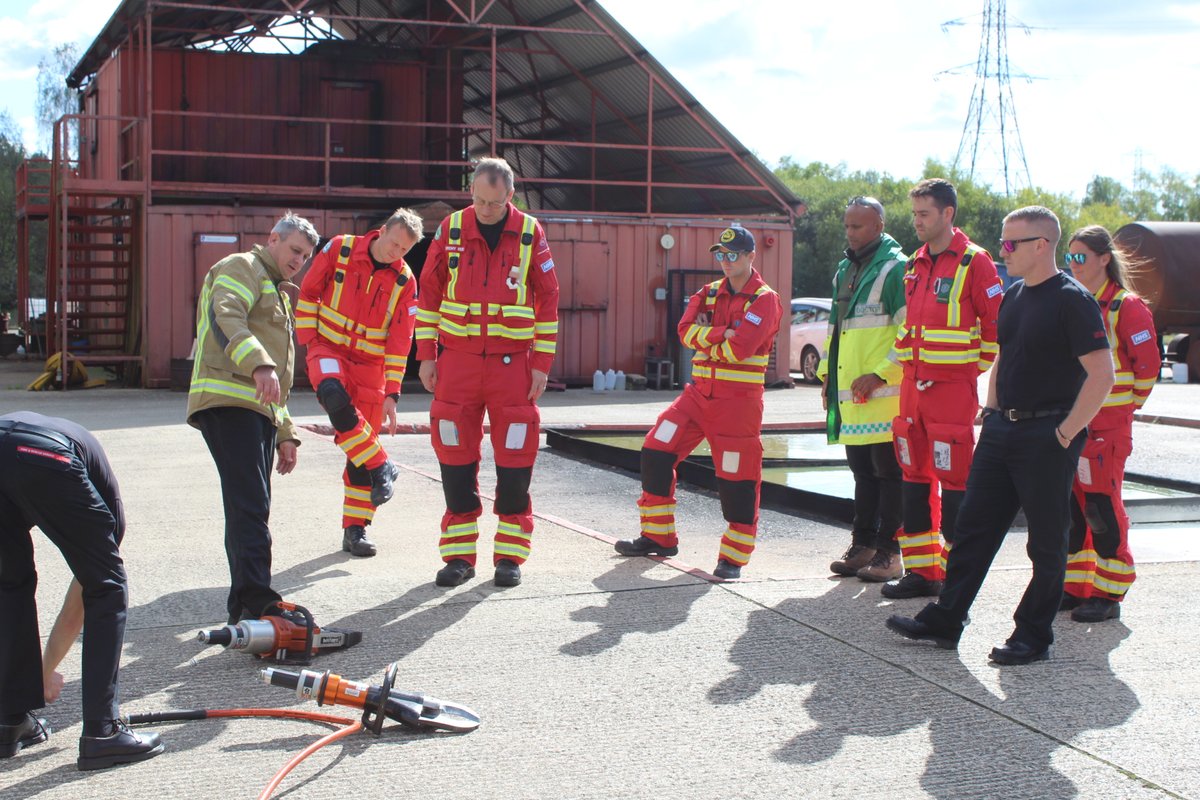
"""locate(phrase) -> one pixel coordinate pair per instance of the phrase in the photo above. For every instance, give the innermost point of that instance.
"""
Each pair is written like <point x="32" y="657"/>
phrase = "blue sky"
<point x="862" y="83"/>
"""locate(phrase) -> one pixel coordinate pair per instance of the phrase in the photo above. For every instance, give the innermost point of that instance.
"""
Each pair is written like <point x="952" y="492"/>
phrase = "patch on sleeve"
<point x="328" y="244"/>
<point x="412" y="310"/>
<point x="1139" y="337"/>
<point x="753" y="318"/>
<point x="548" y="265"/>
<point x="438" y="233"/>
<point x="995" y="290"/>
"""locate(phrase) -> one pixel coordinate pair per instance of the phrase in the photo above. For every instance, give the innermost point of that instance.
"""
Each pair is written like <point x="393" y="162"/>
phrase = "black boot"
<point x="455" y="573"/>
<point x="508" y="573"/>
<point x="382" y="478"/>
<point x="356" y="543"/>
<point x="643" y="546"/>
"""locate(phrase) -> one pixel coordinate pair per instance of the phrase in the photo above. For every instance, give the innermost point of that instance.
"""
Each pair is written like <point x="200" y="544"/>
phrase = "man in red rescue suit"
<point x="948" y="339"/>
<point x="1099" y="562"/>
<point x="731" y="323"/>
<point x="489" y="295"/>
<point x="356" y="314"/>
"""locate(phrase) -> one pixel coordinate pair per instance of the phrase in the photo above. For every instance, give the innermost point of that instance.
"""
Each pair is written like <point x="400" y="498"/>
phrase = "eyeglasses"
<point x="1074" y="258"/>
<point x="730" y="257"/>
<point x="1010" y="245"/>
<point x="866" y="202"/>
<point x="493" y="204"/>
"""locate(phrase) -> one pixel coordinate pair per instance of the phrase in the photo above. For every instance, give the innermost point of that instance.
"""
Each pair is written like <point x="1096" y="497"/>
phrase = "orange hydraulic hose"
<point x="353" y="727"/>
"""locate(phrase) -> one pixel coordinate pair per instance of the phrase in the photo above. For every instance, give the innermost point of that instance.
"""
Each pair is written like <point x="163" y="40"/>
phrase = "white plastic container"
<point x="620" y="387"/>
<point x="610" y="379"/>
<point x="1179" y="373"/>
<point x="597" y="381"/>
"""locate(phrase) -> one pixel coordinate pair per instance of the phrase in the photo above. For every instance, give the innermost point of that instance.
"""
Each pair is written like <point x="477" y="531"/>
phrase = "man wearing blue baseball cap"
<point x="731" y="323"/>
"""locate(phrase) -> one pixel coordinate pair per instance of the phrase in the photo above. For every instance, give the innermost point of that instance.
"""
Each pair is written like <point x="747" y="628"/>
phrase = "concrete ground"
<point x="603" y="677"/>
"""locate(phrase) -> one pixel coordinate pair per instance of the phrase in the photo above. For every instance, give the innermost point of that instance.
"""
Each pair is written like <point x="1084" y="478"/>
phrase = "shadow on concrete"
<point x="982" y="746"/>
<point x="633" y="606"/>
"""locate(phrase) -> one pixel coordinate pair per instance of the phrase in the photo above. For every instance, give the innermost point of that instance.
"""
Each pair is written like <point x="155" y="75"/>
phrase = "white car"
<point x="810" y="322"/>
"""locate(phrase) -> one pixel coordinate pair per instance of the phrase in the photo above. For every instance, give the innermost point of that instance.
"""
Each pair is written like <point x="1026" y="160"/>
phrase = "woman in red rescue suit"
<point x="489" y="295"/>
<point x="1099" y="564"/>
<point x="355" y="315"/>
<point x="731" y="324"/>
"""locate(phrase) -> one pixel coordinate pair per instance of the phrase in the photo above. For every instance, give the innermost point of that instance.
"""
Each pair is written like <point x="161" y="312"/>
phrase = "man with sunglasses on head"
<point x="731" y="324"/>
<point x="952" y="295"/>
<point x="489" y="297"/>
<point x="1052" y="375"/>
<point x="356" y="313"/>
<point x="860" y="389"/>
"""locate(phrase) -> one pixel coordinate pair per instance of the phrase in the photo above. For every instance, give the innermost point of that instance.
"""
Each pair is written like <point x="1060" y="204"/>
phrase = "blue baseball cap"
<point x="735" y="238"/>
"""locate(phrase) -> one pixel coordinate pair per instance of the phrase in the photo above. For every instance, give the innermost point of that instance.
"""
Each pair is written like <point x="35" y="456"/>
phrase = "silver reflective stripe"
<point x="877" y="287"/>
<point x="901" y="315"/>
<point x="886" y="391"/>
<point x="871" y="321"/>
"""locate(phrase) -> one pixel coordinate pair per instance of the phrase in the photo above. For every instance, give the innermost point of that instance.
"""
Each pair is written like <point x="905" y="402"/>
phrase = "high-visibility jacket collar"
<point x="750" y="289"/>
<point x="273" y="270"/>
<point x="958" y="246"/>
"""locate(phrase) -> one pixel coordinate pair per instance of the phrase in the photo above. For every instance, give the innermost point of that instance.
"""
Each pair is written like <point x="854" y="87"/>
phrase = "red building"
<point x="200" y="122"/>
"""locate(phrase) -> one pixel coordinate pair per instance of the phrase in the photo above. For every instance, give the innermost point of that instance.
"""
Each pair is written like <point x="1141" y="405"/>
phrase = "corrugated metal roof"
<point x="551" y="84"/>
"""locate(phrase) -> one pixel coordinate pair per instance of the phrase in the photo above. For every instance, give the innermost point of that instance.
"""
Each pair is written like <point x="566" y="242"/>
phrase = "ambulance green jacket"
<point x="862" y="343"/>
<point x="243" y="321"/>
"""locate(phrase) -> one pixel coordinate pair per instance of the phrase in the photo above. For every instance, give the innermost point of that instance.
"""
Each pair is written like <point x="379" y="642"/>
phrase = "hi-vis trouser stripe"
<point x="360" y="445"/>
<point x="738" y="543"/>
<point x="1081" y="567"/>
<point x="923" y="554"/>
<point x="1113" y="577"/>
<point x="512" y="542"/>
<point x="356" y="506"/>
<point x="458" y="541"/>
<point x="658" y="522"/>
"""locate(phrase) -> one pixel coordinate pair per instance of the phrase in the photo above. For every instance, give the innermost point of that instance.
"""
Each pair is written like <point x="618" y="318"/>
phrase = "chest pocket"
<point x="274" y="305"/>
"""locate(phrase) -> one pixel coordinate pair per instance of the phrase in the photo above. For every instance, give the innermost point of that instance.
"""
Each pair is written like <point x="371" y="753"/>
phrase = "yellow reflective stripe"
<point x="235" y="286"/>
<point x="1118" y="399"/>
<point x="518" y="312"/>
<point x="392" y="360"/>
<point x="306" y="306"/>
<point x="455" y="329"/>
<point x="428" y="317"/>
<point x="725" y="349"/>
<point x="225" y="388"/>
<point x="343" y="256"/>
<point x="734" y="556"/>
<point x="505" y="332"/>
<point x="658" y="527"/>
<point x="526" y="256"/>
<point x="425" y="334"/>
<point x="332" y="335"/>
<point x="989" y="347"/>
<point x="739" y="537"/>
<point x="267" y="287"/>
<point x="947" y="336"/>
<point x="1114" y="565"/>
<point x="954" y="312"/>
<point x="357" y="494"/>
<point x="546" y="328"/>
<point x="369" y="347"/>
<point x="457" y="309"/>
<point x="329" y="315"/>
<point x="545" y="346"/>
<point x="1144" y="384"/>
<point x="656" y="511"/>
<point x="454" y="241"/>
<point x="755" y="361"/>
<point x="247" y="346"/>
<point x="950" y="356"/>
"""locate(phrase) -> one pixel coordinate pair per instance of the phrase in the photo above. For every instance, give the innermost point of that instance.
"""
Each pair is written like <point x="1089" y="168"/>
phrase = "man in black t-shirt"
<point x="1051" y="377"/>
<point x="54" y="474"/>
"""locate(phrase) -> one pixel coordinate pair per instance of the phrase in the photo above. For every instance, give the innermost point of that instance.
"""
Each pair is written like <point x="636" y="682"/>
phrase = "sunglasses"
<point x="1074" y="258"/>
<point x="730" y="257"/>
<point x="1010" y="245"/>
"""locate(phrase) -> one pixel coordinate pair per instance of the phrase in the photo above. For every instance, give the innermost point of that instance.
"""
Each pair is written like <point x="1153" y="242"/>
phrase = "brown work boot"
<point x="854" y="559"/>
<point x="884" y="566"/>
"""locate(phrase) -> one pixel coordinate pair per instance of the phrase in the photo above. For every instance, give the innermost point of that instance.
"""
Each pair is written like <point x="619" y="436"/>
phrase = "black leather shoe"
<point x="382" y="479"/>
<point x="911" y="585"/>
<point x="1097" y="609"/>
<point x="727" y="570"/>
<point x="455" y="573"/>
<point x="916" y="630"/>
<point x="1017" y="653"/>
<point x="356" y="543"/>
<point x="508" y="573"/>
<point x="641" y="546"/>
<point x="122" y="747"/>
<point x="1069" y="602"/>
<point x="26" y="733"/>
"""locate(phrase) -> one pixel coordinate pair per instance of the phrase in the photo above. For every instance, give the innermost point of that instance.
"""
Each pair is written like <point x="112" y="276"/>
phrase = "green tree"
<point x="12" y="153"/>
<point x="54" y="97"/>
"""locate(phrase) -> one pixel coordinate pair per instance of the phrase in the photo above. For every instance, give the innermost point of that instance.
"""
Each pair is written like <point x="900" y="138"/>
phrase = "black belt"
<point x="1013" y="415"/>
<point x="16" y="426"/>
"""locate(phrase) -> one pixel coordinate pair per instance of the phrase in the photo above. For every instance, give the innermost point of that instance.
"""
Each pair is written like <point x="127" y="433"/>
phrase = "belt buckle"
<point x="1010" y="414"/>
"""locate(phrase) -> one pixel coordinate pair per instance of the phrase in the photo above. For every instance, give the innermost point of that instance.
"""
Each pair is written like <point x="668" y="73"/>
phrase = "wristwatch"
<point x="395" y="396"/>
